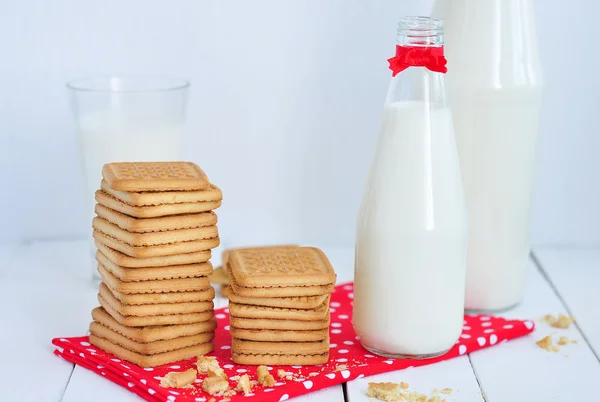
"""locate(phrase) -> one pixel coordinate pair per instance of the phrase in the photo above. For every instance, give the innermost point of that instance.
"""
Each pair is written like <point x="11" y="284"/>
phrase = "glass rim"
<point x="145" y="83"/>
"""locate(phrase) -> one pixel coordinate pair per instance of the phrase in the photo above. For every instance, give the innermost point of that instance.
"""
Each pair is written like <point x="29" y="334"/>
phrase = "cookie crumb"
<point x="281" y="373"/>
<point x="206" y="362"/>
<point x="214" y="385"/>
<point x="546" y="344"/>
<point x="217" y="372"/>
<point x="548" y="319"/>
<point x="178" y="379"/>
<point x="563" y="321"/>
<point x="212" y="400"/>
<point x="229" y="392"/>
<point x="563" y="340"/>
<point x="418" y="397"/>
<point x="234" y="378"/>
<point x="243" y="384"/>
<point x="436" y="399"/>
<point x="575" y="341"/>
<point x="264" y="377"/>
<point x="385" y="391"/>
<point x="404" y="385"/>
<point x="313" y="374"/>
<point x="341" y="367"/>
<point x="447" y="391"/>
<point x="289" y="377"/>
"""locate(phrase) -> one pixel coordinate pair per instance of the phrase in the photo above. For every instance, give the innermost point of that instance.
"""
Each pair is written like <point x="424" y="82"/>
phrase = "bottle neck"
<point x="420" y="32"/>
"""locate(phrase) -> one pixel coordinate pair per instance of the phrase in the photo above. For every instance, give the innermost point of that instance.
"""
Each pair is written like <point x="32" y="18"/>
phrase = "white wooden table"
<point x="46" y="291"/>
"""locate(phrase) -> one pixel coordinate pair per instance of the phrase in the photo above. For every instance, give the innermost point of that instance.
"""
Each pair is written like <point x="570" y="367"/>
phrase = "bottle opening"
<point x="420" y="31"/>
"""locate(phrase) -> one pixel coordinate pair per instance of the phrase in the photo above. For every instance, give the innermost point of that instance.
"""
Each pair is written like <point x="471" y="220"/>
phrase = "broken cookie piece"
<point x="546" y="344"/>
<point x="206" y="362"/>
<point x="385" y="391"/>
<point x="215" y="385"/>
<point x="264" y="377"/>
<point x="243" y="385"/>
<point x="563" y="321"/>
<point x="178" y="379"/>
<point x="217" y="372"/>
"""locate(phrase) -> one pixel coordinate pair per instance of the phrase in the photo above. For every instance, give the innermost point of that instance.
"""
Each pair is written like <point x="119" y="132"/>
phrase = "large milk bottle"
<point x="412" y="229"/>
<point x="494" y="84"/>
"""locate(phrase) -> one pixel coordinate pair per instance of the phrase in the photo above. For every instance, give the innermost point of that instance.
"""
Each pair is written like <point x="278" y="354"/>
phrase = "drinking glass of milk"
<point x="127" y="118"/>
<point x="411" y="236"/>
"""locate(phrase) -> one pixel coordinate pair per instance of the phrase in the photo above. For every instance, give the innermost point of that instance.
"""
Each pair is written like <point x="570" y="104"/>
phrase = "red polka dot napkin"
<point x="348" y="359"/>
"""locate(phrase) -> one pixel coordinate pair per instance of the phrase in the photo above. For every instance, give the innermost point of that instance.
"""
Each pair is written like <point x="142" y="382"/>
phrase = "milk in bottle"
<point x="411" y="230"/>
<point x="494" y="84"/>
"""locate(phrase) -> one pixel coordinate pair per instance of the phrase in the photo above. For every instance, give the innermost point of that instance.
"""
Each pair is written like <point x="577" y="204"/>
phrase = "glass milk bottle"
<point x="494" y="85"/>
<point x="411" y="231"/>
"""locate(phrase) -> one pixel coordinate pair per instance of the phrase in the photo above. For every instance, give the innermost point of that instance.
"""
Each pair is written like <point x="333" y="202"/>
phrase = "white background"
<point x="285" y="107"/>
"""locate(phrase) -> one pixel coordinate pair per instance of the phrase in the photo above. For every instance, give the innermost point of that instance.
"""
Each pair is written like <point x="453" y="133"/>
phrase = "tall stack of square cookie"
<point x="279" y="305"/>
<point x="154" y="231"/>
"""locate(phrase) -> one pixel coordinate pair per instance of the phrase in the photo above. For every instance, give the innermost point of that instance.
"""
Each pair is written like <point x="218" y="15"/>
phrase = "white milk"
<point x="498" y="190"/>
<point x="411" y="237"/>
<point x="494" y="84"/>
<point x="106" y="138"/>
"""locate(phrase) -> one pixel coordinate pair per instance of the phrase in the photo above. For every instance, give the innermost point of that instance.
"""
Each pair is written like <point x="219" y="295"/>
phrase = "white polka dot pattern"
<point x="345" y="349"/>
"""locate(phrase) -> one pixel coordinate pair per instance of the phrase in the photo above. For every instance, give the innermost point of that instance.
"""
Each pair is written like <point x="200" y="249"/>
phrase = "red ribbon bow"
<point x="432" y="58"/>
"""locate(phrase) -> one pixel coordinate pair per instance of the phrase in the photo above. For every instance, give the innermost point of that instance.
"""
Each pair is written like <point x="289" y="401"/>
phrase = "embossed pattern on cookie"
<point x="291" y="266"/>
<point x="154" y="176"/>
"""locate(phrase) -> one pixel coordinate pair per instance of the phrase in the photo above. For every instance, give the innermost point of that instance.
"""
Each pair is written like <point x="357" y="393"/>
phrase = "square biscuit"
<point x="275" y="313"/>
<point x="150" y="360"/>
<point x="155" y="211"/>
<point x="154" y="176"/>
<point x="147" y="321"/>
<point x="156" y="250"/>
<point x="280" y="325"/>
<point x="152" y="333"/>
<point x="144" y="310"/>
<point x="148" y="198"/>
<point x="162" y="298"/>
<point x="161" y="224"/>
<point x="154" y="273"/>
<point x="279" y="360"/>
<point x="273" y="335"/>
<point x="280" y="267"/>
<point x="154" y="238"/>
<point x="123" y="260"/>
<point x="150" y="348"/>
<point x="304" y="302"/>
<point x="277" y="291"/>
<point x="158" y="286"/>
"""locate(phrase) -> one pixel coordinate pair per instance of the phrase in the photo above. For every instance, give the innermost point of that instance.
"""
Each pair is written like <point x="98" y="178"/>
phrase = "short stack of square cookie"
<point x="279" y="305"/>
<point x="154" y="230"/>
